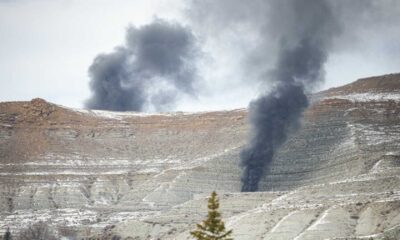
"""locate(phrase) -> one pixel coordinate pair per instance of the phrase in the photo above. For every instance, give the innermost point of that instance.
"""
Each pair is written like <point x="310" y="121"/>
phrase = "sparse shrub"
<point x="67" y="233"/>
<point x="107" y="234"/>
<point x="37" y="231"/>
<point x="213" y="228"/>
<point x="7" y="235"/>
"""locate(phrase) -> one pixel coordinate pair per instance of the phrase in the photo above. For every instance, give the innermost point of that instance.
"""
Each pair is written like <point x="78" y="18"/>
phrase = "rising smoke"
<point x="149" y="72"/>
<point x="289" y="42"/>
<point x="303" y="49"/>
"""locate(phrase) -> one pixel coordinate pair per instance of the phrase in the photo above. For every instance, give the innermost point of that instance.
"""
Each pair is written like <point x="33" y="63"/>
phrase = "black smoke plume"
<point x="149" y="72"/>
<point x="307" y="28"/>
<point x="284" y="45"/>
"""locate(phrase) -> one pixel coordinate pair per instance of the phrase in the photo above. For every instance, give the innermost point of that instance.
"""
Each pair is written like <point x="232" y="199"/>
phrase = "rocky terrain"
<point x="149" y="174"/>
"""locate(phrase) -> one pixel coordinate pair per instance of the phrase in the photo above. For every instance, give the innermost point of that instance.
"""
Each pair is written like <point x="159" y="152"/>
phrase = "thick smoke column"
<point x="284" y="44"/>
<point x="149" y="72"/>
<point x="307" y="28"/>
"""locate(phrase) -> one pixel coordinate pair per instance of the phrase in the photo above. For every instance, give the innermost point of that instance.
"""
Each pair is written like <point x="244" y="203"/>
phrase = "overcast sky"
<point x="47" y="46"/>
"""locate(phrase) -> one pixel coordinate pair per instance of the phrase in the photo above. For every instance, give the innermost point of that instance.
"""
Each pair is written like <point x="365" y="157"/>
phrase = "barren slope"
<point x="336" y="177"/>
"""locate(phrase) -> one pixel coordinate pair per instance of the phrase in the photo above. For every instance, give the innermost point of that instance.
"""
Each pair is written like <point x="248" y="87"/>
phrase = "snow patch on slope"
<point x="368" y="97"/>
<point x="122" y="115"/>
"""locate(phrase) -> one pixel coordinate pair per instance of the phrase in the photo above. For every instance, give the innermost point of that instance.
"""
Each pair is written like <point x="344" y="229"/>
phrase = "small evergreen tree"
<point x="7" y="235"/>
<point x="213" y="228"/>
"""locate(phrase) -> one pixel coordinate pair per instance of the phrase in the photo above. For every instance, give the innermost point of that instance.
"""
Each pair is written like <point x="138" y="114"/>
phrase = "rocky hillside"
<point x="149" y="174"/>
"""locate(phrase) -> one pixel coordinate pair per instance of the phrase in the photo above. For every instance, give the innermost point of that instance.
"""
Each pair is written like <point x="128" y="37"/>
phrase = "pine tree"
<point x="7" y="235"/>
<point x="213" y="228"/>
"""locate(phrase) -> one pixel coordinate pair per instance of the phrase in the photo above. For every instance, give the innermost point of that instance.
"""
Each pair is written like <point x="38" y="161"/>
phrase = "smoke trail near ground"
<point x="307" y="33"/>
<point x="284" y="45"/>
<point x="149" y="72"/>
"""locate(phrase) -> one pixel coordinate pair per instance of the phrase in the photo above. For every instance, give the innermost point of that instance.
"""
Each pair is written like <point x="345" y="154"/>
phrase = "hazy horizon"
<point x="48" y="46"/>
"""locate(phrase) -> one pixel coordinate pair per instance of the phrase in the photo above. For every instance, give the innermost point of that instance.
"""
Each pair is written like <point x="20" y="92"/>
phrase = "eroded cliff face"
<point x="149" y="174"/>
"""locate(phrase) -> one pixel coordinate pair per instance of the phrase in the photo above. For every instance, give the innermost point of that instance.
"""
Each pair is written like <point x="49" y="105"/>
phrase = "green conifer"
<point x="213" y="228"/>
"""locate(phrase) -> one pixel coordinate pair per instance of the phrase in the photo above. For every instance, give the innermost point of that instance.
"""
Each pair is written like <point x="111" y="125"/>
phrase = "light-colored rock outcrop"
<point x="337" y="177"/>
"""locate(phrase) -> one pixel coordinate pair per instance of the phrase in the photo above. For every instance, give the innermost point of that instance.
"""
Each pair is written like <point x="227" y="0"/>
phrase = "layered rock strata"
<point x="336" y="177"/>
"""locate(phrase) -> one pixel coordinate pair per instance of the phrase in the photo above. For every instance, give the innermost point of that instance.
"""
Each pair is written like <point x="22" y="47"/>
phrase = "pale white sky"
<point x="46" y="47"/>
